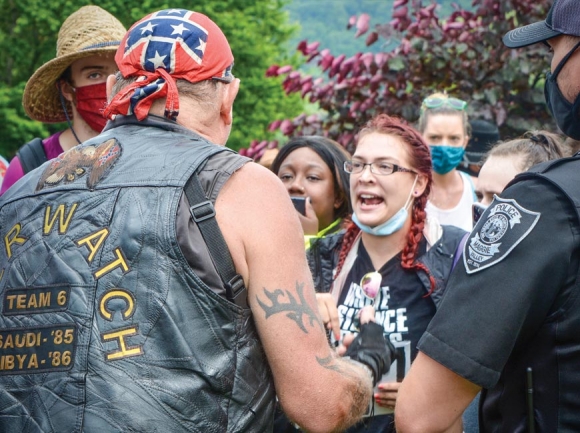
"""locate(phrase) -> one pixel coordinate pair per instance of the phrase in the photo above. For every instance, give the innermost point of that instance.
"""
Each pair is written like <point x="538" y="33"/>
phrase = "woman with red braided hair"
<point x="390" y="256"/>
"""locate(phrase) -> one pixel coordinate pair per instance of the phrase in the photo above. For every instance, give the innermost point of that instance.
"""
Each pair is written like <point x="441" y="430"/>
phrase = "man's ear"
<point x="230" y="91"/>
<point x="66" y="89"/>
<point x="111" y="81"/>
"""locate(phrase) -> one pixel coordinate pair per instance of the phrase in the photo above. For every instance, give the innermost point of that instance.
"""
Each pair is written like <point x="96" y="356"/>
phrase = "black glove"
<point x="371" y="348"/>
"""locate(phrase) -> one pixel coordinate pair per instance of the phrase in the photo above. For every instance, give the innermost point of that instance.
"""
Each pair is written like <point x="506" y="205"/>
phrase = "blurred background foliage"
<point x="354" y="58"/>
<point x="424" y="46"/>
<point x="258" y="31"/>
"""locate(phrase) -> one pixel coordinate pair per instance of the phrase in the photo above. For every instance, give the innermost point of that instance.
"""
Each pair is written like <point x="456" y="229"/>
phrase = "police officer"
<point x="509" y="321"/>
<point x="130" y="262"/>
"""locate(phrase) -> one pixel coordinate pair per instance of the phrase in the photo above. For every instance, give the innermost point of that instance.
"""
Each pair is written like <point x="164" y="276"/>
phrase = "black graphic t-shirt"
<point x="401" y="306"/>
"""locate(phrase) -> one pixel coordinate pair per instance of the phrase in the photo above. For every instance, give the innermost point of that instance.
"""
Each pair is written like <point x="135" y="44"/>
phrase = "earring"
<point x="416" y="193"/>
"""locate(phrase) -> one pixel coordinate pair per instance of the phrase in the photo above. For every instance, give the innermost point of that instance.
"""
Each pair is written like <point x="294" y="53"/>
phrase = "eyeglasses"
<point x="437" y="102"/>
<point x="382" y="168"/>
<point x="371" y="285"/>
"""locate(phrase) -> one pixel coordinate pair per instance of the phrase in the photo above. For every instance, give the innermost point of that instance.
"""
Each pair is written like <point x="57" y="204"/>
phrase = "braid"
<point x="352" y="231"/>
<point x="420" y="161"/>
<point x="415" y="235"/>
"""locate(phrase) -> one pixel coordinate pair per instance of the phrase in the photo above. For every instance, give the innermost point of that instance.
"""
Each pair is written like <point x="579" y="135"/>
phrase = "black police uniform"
<point x="514" y="304"/>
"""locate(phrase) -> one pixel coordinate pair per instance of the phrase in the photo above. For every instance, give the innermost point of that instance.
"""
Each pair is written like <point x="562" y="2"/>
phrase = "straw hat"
<point x="88" y="31"/>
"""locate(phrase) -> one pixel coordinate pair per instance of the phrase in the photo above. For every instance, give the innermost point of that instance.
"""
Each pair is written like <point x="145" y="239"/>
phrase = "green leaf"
<point x="396" y="64"/>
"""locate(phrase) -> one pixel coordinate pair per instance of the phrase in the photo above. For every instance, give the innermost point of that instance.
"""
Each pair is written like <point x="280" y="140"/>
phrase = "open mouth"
<point x="369" y="201"/>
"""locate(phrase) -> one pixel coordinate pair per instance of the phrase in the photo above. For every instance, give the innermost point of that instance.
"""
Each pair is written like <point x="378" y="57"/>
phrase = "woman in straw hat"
<point x="71" y="87"/>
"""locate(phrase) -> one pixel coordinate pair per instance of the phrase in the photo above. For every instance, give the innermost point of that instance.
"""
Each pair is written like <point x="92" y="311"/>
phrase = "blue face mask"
<point x="392" y="225"/>
<point x="446" y="158"/>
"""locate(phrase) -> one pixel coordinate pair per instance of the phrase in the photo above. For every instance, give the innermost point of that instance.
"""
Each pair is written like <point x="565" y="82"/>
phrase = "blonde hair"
<point x="443" y="109"/>
<point x="533" y="147"/>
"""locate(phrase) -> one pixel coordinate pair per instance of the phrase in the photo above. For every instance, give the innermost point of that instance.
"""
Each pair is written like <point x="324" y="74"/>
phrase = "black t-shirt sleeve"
<point x="487" y="312"/>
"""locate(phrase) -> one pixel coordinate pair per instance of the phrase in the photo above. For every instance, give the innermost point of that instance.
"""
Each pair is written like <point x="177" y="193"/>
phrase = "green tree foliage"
<point x="325" y="21"/>
<point x="258" y="32"/>
<point x="461" y="53"/>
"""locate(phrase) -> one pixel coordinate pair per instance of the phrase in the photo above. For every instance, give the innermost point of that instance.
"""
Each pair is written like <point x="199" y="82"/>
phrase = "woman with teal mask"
<point x="444" y="125"/>
<point x="391" y="256"/>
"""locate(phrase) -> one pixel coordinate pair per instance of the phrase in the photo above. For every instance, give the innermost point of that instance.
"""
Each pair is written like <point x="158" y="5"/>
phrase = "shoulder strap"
<point x="467" y="178"/>
<point x="203" y="213"/>
<point x="31" y="155"/>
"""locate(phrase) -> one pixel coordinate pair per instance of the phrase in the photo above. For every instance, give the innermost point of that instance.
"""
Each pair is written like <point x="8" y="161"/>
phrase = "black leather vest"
<point x="104" y="326"/>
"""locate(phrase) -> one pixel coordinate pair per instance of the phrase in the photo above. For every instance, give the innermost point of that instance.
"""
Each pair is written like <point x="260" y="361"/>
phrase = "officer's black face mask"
<point x="565" y="113"/>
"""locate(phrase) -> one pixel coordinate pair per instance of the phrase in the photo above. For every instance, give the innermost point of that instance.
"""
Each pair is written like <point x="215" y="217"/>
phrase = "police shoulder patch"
<point x="501" y="228"/>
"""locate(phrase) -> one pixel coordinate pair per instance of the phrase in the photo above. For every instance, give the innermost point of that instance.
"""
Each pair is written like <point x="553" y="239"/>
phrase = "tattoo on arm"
<point x="294" y="308"/>
<point x="340" y="365"/>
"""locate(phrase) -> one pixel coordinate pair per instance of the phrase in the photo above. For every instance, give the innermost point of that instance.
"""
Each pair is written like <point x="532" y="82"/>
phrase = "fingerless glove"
<point x="373" y="349"/>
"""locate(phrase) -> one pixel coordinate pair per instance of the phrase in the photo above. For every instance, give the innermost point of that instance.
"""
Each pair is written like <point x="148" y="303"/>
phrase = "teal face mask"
<point x="390" y="226"/>
<point x="446" y="158"/>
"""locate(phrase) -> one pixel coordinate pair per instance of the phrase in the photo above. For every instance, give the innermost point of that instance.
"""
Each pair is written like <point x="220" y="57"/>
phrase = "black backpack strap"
<point x="31" y="155"/>
<point x="203" y="213"/>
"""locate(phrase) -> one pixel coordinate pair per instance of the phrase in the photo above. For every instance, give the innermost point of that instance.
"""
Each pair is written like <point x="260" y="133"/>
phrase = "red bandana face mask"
<point x="90" y="103"/>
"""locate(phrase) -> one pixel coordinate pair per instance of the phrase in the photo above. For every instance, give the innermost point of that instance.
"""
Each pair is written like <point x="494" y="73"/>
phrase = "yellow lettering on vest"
<point x="32" y="301"/>
<point x="13" y="238"/>
<point x="33" y="361"/>
<point x="44" y="300"/>
<point x="20" y="340"/>
<point x="93" y="247"/>
<point x="124" y="351"/>
<point x="7" y="362"/>
<point x="11" y="299"/>
<point x="20" y="359"/>
<point x="24" y="301"/>
<point x="32" y="339"/>
<point x="59" y="213"/>
<point x="1" y="274"/>
<point x="116" y="294"/>
<point x="9" y="343"/>
<point x="115" y="264"/>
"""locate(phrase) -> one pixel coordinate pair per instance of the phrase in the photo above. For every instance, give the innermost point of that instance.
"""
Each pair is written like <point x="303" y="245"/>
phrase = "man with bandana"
<point x="148" y="286"/>
<point x="509" y="321"/>
<point x="70" y="87"/>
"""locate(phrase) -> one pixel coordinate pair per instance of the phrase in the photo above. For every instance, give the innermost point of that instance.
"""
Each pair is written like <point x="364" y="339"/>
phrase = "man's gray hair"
<point x="205" y="93"/>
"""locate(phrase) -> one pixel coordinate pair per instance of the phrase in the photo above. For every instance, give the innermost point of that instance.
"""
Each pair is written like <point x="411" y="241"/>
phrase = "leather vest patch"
<point x="95" y="161"/>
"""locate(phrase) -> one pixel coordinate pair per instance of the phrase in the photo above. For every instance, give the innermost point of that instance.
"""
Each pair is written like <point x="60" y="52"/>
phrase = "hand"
<point x="373" y="349"/>
<point x="310" y="220"/>
<point x="329" y="313"/>
<point x="346" y="341"/>
<point x="366" y="315"/>
<point x="387" y="394"/>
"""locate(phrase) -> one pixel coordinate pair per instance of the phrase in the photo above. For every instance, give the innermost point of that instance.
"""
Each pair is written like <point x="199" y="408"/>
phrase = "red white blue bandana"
<point x="162" y="47"/>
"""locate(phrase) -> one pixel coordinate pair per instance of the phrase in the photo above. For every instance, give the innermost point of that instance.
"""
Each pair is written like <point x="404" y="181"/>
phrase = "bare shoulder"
<point x="254" y="212"/>
<point x="254" y="196"/>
